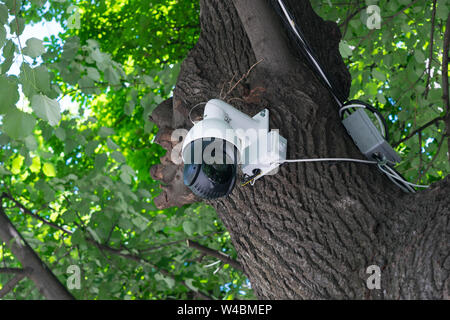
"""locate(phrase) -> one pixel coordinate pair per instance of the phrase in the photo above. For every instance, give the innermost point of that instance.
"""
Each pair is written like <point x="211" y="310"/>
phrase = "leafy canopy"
<point x="82" y="178"/>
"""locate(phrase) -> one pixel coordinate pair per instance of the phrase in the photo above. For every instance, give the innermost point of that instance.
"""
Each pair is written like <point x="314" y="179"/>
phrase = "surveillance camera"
<point x="224" y="140"/>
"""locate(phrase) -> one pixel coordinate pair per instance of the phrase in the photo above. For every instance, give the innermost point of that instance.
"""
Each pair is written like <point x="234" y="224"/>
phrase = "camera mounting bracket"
<point x="261" y="150"/>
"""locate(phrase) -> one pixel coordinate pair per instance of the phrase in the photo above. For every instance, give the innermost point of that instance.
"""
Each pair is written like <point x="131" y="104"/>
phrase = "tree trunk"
<point x="44" y="279"/>
<point x="310" y="231"/>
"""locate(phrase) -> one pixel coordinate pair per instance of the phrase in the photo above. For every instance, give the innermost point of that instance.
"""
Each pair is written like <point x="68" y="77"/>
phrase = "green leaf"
<point x="87" y="85"/>
<point x="118" y="156"/>
<point x="149" y="126"/>
<point x="190" y="285"/>
<point x="93" y="74"/>
<point x="345" y="49"/>
<point x="2" y="35"/>
<point x="77" y="237"/>
<point x="112" y="76"/>
<point x="419" y="56"/>
<point x="9" y="93"/>
<point x="3" y="14"/>
<point x="105" y="132"/>
<point x="31" y="143"/>
<point x="100" y="161"/>
<point x="8" y="53"/>
<point x="149" y="105"/>
<point x="128" y="170"/>
<point x="35" y="80"/>
<point x="17" y="164"/>
<point x="125" y="177"/>
<point x="189" y="227"/>
<point x="129" y="108"/>
<point x="17" y="26"/>
<point x="35" y="165"/>
<point x="381" y="98"/>
<point x="46" y="109"/>
<point x="18" y="124"/>
<point x="442" y="10"/>
<point x="49" y="169"/>
<point x="34" y="48"/>
<point x="378" y="75"/>
<point x="94" y="235"/>
<point x="372" y="89"/>
<point x="60" y="133"/>
<point x="111" y="144"/>
<point x="90" y="147"/>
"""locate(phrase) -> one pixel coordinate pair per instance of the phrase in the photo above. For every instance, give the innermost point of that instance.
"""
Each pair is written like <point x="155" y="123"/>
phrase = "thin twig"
<point x="433" y="18"/>
<point x="216" y="254"/>
<point x="240" y="80"/>
<point x="420" y="158"/>
<point x="25" y="210"/>
<point x="426" y="125"/>
<point x="445" y="96"/>
<point x="350" y="17"/>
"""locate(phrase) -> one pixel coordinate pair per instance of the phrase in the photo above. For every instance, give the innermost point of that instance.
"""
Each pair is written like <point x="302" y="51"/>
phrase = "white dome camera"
<point x="225" y="139"/>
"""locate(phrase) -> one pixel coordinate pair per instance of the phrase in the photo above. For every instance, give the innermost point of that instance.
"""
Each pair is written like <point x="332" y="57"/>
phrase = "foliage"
<point x="398" y="69"/>
<point x="77" y="185"/>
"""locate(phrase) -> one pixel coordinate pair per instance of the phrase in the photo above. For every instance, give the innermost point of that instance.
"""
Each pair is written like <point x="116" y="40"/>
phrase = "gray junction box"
<point x="367" y="137"/>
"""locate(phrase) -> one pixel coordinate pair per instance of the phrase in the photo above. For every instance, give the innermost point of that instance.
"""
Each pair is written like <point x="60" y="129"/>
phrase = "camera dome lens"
<point x="219" y="173"/>
<point x="211" y="179"/>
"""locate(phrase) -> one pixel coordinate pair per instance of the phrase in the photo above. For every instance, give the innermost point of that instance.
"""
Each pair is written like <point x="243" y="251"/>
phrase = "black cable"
<point x="311" y="58"/>
<point x="307" y="52"/>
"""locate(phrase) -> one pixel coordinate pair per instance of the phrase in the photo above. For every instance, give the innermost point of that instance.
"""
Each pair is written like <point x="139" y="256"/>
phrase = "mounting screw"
<point x="263" y="113"/>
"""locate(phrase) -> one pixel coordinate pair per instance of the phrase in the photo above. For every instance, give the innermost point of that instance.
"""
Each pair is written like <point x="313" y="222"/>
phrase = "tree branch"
<point x="445" y="96"/>
<point x="11" y="284"/>
<point x="350" y="17"/>
<point x="12" y="270"/>
<point x="263" y="29"/>
<point x="47" y="283"/>
<point x="216" y="254"/>
<point x="426" y="125"/>
<point x="25" y="210"/>
<point x="140" y="259"/>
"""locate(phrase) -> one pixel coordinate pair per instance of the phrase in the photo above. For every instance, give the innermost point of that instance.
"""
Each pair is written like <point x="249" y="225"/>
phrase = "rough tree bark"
<point x="312" y="230"/>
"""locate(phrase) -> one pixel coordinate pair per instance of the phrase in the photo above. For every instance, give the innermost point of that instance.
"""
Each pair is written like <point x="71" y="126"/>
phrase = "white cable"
<point x="404" y="187"/>
<point x="212" y="264"/>
<point x="328" y="159"/>
<point x="408" y="183"/>
<point x="395" y="178"/>
<point x="393" y="174"/>
<point x="341" y="110"/>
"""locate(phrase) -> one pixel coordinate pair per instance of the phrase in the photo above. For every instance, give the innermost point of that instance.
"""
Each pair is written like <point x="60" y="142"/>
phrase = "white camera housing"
<point x="259" y="150"/>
